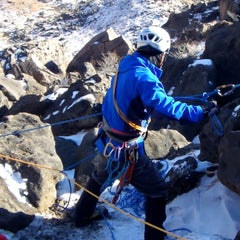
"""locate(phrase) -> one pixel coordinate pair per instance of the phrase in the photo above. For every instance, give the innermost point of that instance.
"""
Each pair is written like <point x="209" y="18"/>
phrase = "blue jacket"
<point x="139" y="92"/>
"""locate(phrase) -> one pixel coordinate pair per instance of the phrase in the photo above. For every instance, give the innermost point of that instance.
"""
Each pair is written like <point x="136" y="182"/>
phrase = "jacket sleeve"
<point x="155" y="98"/>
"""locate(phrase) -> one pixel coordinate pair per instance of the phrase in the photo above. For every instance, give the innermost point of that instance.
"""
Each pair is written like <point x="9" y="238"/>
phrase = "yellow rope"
<point x="27" y="163"/>
<point x="99" y="198"/>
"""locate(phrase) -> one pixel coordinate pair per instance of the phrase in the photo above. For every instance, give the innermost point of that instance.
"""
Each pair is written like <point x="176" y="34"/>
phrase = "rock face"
<point x="222" y="46"/>
<point x="219" y="140"/>
<point x="46" y="93"/>
<point x="229" y="168"/>
<point x="36" y="148"/>
<point x="229" y="10"/>
<point x="99" y="46"/>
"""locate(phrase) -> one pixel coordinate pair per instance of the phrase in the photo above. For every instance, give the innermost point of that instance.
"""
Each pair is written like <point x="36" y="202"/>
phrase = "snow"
<point x="89" y="97"/>
<point x="15" y="183"/>
<point x="206" y="62"/>
<point x="236" y="109"/>
<point x="207" y="209"/>
<point x="56" y="94"/>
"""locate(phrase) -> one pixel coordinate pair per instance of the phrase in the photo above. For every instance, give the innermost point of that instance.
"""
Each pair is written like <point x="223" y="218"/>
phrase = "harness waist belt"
<point x="119" y="135"/>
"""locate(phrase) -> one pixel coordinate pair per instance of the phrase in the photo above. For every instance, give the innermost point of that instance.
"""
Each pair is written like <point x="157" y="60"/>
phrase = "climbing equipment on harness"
<point x="121" y="158"/>
<point x="133" y="125"/>
<point x="125" y="179"/>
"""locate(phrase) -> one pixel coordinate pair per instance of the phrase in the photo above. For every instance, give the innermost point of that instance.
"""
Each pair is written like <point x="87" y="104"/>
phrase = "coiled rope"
<point x="133" y="199"/>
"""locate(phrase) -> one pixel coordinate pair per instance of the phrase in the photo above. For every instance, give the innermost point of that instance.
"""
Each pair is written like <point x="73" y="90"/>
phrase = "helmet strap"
<point x="158" y="60"/>
<point x="163" y="57"/>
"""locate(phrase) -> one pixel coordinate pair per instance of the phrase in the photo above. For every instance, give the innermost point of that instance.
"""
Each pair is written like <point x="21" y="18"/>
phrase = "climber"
<point x="134" y="94"/>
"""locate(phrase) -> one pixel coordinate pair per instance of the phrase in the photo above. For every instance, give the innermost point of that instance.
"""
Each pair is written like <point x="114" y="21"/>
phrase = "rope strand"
<point x="17" y="132"/>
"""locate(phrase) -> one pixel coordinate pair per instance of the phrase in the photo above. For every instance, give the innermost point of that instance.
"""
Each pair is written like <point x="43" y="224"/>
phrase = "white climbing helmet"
<point x="156" y="37"/>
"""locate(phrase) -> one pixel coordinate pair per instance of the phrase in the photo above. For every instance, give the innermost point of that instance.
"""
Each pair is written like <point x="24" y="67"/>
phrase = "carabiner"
<point x="225" y="90"/>
<point x="109" y="146"/>
<point x="117" y="152"/>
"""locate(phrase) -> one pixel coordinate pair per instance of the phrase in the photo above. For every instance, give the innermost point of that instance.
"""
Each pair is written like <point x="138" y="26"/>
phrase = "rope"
<point x="130" y="215"/>
<point x="113" y="167"/>
<point x="201" y="97"/>
<point x="215" y="122"/>
<point x="223" y="90"/>
<point x="217" y="125"/>
<point x="29" y="163"/>
<point x="164" y="167"/>
<point x="132" y="199"/>
<point x="17" y="132"/>
<point x="64" y="208"/>
<point x="94" y="195"/>
<point x="107" y="223"/>
<point x="80" y="161"/>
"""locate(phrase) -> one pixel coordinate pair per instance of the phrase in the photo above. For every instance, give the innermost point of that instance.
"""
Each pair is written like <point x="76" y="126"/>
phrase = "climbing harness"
<point x="129" y="148"/>
<point x="121" y="157"/>
<point x="117" y="134"/>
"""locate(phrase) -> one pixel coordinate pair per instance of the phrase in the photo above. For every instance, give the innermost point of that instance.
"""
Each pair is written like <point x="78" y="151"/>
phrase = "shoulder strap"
<point x="120" y="113"/>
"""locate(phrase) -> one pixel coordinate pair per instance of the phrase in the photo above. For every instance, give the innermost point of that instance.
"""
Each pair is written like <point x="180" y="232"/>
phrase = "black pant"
<point x="155" y="214"/>
<point x="86" y="204"/>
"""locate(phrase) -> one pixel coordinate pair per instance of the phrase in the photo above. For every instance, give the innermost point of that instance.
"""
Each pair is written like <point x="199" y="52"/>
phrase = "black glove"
<point x="209" y="108"/>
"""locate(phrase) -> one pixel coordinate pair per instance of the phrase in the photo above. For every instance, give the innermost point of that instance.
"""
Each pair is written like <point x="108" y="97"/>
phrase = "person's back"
<point x="138" y="92"/>
<point x="129" y="92"/>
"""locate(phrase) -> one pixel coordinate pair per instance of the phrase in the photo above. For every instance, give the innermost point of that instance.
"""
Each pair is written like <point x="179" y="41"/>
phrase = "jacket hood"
<point x="137" y="60"/>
